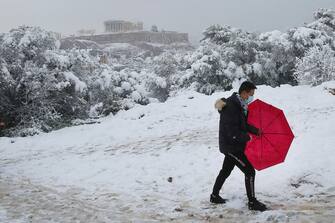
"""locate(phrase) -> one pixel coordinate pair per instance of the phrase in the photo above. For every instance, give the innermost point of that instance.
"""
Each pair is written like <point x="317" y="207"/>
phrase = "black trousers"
<point x="240" y="160"/>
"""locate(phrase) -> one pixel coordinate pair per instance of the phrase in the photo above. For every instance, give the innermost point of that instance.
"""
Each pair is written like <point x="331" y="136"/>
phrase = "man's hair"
<point x="246" y="86"/>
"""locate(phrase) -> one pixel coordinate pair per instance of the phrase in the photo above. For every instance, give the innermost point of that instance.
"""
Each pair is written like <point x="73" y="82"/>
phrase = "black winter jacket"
<point x="233" y="129"/>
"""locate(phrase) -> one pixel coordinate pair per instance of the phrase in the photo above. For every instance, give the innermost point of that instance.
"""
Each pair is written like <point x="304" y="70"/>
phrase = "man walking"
<point x="233" y="137"/>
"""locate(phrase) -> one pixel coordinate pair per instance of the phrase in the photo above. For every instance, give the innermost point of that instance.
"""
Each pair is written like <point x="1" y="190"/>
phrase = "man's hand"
<point x="2" y="125"/>
<point x="242" y="138"/>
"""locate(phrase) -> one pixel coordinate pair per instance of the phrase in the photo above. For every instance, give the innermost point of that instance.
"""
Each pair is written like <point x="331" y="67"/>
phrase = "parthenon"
<point x="122" y="26"/>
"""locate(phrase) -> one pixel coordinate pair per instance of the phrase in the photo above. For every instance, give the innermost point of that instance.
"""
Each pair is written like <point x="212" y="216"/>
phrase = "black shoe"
<point x="256" y="205"/>
<point x="216" y="199"/>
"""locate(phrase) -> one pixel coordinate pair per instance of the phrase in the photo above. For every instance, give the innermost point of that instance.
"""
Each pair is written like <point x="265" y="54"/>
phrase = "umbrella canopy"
<point x="272" y="146"/>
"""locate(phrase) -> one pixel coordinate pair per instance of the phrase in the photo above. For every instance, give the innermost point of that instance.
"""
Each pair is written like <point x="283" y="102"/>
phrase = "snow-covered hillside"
<point x="159" y="162"/>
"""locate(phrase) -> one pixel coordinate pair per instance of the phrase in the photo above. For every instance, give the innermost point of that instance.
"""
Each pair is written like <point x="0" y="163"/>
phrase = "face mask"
<point x="249" y="99"/>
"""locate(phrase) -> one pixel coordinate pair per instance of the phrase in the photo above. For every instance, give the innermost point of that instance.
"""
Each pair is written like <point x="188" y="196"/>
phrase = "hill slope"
<point x="118" y="170"/>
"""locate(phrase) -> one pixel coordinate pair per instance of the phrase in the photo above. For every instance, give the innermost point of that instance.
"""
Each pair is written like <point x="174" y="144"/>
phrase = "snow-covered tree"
<point x="43" y="88"/>
<point x="220" y="34"/>
<point x="207" y="72"/>
<point x="324" y="20"/>
<point x="304" y="38"/>
<point x="317" y="66"/>
<point x="275" y="59"/>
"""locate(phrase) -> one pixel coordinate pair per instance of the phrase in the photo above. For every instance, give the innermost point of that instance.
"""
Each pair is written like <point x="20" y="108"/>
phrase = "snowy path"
<point x="162" y="166"/>
<point x="31" y="202"/>
<point x="26" y="202"/>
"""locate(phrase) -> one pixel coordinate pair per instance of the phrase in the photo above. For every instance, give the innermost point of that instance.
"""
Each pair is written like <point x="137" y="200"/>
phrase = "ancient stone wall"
<point x="142" y="36"/>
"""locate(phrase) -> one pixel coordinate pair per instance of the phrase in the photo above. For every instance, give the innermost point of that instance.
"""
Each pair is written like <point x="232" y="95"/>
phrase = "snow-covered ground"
<point x="159" y="162"/>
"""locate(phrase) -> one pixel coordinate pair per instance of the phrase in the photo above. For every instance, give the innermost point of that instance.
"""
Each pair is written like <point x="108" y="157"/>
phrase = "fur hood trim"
<point x="219" y="104"/>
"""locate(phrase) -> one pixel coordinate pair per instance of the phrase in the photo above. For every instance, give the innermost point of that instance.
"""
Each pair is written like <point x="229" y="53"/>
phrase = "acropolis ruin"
<point x="113" y="26"/>
<point x="120" y="31"/>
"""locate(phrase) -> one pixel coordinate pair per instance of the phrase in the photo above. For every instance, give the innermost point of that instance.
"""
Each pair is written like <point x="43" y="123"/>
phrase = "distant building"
<point x="114" y="26"/>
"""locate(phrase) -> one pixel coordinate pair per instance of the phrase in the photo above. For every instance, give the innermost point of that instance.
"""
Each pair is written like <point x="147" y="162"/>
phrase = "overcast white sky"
<point x="192" y="16"/>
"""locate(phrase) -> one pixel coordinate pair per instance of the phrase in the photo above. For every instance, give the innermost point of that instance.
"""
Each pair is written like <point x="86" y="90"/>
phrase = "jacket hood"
<point x="222" y="102"/>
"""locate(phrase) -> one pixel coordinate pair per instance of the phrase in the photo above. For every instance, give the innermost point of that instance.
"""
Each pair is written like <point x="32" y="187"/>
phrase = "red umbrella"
<point x="272" y="146"/>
